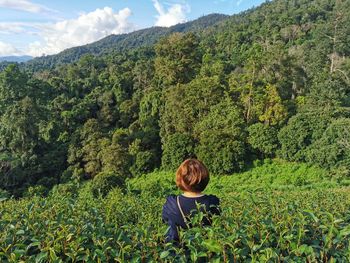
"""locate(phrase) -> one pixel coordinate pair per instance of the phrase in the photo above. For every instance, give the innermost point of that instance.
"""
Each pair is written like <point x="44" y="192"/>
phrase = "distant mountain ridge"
<point x="18" y="59"/>
<point x="122" y="42"/>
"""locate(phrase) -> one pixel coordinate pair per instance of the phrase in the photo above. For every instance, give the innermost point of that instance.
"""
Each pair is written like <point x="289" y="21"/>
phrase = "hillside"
<point x="275" y="73"/>
<point x="18" y="59"/>
<point x="123" y="42"/>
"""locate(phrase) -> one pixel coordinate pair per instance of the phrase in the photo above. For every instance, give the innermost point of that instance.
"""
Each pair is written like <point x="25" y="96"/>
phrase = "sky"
<point x="45" y="27"/>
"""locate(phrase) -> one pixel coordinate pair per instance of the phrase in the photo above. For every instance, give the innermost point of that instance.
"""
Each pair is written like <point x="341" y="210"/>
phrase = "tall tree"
<point x="178" y="58"/>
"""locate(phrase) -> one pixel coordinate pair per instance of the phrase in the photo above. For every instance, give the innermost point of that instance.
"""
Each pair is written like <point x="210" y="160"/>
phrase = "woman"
<point x="192" y="177"/>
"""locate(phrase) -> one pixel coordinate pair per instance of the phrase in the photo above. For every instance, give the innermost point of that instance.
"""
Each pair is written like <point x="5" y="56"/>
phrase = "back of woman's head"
<point x="192" y="176"/>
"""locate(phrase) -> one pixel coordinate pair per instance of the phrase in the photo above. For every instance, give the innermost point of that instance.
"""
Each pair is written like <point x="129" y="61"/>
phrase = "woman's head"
<point x="192" y="176"/>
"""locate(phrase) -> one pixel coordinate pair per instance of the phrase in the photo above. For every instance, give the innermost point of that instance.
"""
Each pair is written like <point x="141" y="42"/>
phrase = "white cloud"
<point x="85" y="29"/>
<point x="175" y="14"/>
<point x="25" y="5"/>
<point x="8" y="50"/>
<point x="19" y="28"/>
<point x="11" y="28"/>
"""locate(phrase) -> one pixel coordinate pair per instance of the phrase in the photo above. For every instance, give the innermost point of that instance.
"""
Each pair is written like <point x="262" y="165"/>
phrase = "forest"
<point x="270" y="82"/>
<point x="261" y="97"/>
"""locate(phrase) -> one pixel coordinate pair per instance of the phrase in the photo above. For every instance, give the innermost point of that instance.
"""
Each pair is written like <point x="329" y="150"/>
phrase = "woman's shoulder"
<point x="170" y="203"/>
<point x="170" y="199"/>
<point x="213" y="199"/>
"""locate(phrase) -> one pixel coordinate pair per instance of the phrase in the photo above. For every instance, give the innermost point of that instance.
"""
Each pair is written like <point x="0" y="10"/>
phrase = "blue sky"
<point x="37" y="27"/>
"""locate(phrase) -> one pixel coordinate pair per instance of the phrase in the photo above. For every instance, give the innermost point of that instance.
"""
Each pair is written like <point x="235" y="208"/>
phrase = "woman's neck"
<point x="192" y="194"/>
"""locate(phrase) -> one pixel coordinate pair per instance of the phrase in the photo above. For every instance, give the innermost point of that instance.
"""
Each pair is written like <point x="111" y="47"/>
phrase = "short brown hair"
<point x="192" y="175"/>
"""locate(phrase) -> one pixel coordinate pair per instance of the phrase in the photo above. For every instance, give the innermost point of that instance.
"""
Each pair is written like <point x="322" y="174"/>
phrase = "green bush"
<point x="47" y="181"/>
<point x="104" y="182"/>
<point x="220" y="153"/>
<point x="36" y="190"/>
<point x="300" y="133"/>
<point x="176" y="149"/>
<point x="144" y="163"/>
<point x="4" y="195"/>
<point x="263" y="138"/>
<point x="333" y="148"/>
<point x="67" y="189"/>
<point x="222" y="138"/>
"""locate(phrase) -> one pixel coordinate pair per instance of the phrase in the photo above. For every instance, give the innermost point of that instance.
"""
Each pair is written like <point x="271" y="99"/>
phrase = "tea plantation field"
<point x="275" y="212"/>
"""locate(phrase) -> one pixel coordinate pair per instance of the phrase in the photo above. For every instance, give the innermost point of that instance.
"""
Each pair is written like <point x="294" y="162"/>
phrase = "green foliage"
<point x="263" y="138"/>
<point x="4" y="195"/>
<point x="274" y="112"/>
<point x="222" y="138"/>
<point x="143" y="163"/>
<point x="13" y="86"/>
<point x="99" y="153"/>
<point x="194" y="89"/>
<point x="333" y="148"/>
<point x="37" y="190"/>
<point x="105" y="182"/>
<point x="302" y="130"/>
<point x="268" y="214"/>
<point x="114" y="156"/>
<point x="277" y="175"/>
<point x="185" y="105"/>
<point x="67" y="189"/>
<point x="11" y="173"/>
<point x="328" y="92"/>
<point x="177" y="148"/>
<point x="178" y="58"/>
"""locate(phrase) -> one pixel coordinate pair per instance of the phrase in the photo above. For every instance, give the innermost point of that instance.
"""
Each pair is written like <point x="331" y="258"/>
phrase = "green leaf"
<point x="41" y="257"/>
<point x="20" y="232"/>
<point x="164" y="254"/>
<point x="212" y="245"/>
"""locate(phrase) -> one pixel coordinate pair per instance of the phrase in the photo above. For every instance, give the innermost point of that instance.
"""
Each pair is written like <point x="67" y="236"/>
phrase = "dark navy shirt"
<point x="172" y="216"/>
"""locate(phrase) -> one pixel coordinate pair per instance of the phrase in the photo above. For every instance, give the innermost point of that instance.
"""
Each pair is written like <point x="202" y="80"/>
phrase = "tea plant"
<point x="260" y="222"/>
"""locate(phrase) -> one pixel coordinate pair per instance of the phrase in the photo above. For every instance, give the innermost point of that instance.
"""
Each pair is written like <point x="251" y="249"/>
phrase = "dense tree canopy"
<point x="271" y="81"/>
